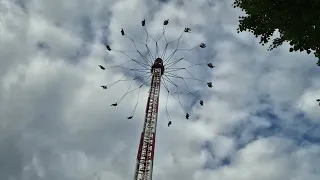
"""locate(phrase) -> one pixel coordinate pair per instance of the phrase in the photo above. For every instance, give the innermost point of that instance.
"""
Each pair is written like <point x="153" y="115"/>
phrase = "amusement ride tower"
<point x="158" y="69"/>
<point x="147" y="143"/>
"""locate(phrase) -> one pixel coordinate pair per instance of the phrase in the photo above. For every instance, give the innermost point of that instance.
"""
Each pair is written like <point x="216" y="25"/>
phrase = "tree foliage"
<point x="298" y="22"/>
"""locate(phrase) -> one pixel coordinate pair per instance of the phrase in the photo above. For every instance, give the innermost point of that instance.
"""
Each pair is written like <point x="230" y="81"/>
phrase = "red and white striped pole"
<point x="145" y="155"/>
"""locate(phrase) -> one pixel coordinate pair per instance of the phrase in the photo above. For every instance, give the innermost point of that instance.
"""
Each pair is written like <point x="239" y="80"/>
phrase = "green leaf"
<point x="297" y="21"/>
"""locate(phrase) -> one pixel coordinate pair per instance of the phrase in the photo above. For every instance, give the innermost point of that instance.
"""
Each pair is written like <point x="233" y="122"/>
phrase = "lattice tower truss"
<point x="145" y="155"/>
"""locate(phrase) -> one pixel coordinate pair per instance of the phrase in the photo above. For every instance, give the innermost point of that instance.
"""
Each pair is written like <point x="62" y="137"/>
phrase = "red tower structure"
<point x="145" y="155"/>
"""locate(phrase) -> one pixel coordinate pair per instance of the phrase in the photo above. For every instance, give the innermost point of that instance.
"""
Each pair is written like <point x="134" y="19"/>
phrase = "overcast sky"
<point x="259" y="121"/>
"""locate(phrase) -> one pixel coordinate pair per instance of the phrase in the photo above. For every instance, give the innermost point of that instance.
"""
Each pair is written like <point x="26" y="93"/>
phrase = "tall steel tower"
<point x="158" y="67"/>
<point x="147" y="143"/>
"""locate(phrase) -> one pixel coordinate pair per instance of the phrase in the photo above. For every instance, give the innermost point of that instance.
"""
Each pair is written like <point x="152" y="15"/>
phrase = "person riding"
<point x="210" y="65"/>
<point x="122" y="32"/>
<point x="101" y="67"/>
<point x="187" y="30"/>
<point x="166" y="22"/>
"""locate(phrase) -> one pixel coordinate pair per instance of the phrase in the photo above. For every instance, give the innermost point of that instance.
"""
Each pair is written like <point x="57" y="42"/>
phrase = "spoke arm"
<point x="149" y="52"/>
<point x="172" y="54"/>
<point x="169" y="74"/>
<point x="188" y="91"/>
<point x="140" y="70"/>
<point x="128" y="92"/>
<point x="138" y="77"/>
<point x="118" y="65"/>
<point x="190" y="73"/>
<point x="168" y="62"/>
<point x="176" y="98"/>
<point x="135" y="107"/>
<point x="177" y="61"/>
<point x="173" y="69"/>
<point x="145" y="59"/>
<point x="144" y="65"/>
<point x="173" y="63"/>
<point x="168" y="114"/>
<point x="112" y="84"/>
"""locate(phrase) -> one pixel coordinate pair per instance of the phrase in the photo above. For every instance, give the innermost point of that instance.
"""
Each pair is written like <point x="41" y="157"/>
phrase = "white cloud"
<point x="271" y="158"/>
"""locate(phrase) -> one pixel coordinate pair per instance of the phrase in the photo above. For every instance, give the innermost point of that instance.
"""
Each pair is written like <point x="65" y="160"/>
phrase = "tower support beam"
<point x="145" y="156"/>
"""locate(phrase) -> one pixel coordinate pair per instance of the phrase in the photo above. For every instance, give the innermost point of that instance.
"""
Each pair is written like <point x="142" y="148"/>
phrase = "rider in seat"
<point x="203" y="45"/>
<point x="187" y="30"/>
<point x="122" y="32"/>
<point x="166" y="22"/>
<point x="211" y="66"/>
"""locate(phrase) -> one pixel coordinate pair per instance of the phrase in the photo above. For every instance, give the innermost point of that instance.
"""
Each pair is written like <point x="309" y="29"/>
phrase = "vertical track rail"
<point x="146" y="148"/>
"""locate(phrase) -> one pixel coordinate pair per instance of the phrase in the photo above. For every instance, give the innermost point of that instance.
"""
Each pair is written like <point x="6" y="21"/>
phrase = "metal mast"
<point x="146" y="148"/>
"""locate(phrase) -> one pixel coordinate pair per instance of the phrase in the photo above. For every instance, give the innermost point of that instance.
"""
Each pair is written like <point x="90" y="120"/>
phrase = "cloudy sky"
<point x="260" y="120"/>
